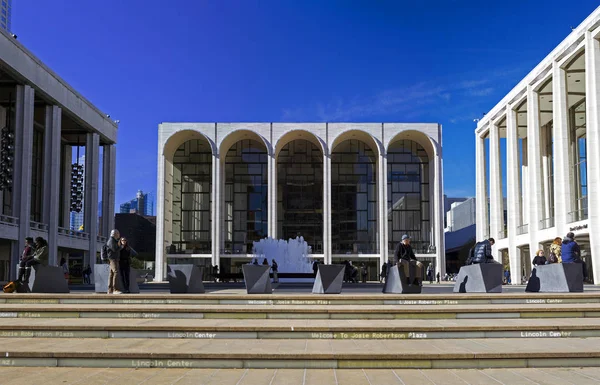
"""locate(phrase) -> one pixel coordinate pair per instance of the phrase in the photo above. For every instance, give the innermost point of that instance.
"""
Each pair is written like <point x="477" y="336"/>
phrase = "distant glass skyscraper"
<point x="5" y="11"/>
<point x="76" y="219"/>
<point x="143" y="204"/>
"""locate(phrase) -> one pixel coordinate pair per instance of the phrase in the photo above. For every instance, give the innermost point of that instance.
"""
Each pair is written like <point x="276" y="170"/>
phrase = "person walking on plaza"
<point x="482" y="252"/>
<point x="125" y="263"/>
<point x="404" y="251"/>
<point x="430" y="274"/>
<point x="437" y="276"/>
<point x="114" y="253"/>
<point x="364" y="272"/>
<point x="571" y="253"/>
<point x="86" y="275"/>
<point x="383" y="273"/>
<point x="555" y="251"/>
<point x="275" y="268"/>
<point x="65" y="268"/>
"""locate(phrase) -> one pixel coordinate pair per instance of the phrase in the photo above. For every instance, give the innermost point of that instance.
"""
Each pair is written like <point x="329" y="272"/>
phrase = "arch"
<point x="418" y="137"/>
<point x="245" y="193"/>
<point x="177" y="138"/>
<point x="354" y="194"/>
<point x="299" y="191"/>
<point x="240" y="134"/>
<point x="363" y="136"/>
<point x="299" y="134"/>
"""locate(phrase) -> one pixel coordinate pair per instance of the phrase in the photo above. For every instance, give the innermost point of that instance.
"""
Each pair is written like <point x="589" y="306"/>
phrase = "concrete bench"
<point x="257" y="279"/>
<point x="101" y="273"/>
<point x="398" y="282"/>
<point x="556" y="278"/>
<point x="329" y="279"/>
<point x="47" y="279"/>
<point x="479" y="278"/>
<point x="185" y="279"/>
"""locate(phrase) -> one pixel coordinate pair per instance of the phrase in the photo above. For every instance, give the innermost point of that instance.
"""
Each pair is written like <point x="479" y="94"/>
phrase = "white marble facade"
<point x="550" y="122"/>
<point x="218" y="139"/>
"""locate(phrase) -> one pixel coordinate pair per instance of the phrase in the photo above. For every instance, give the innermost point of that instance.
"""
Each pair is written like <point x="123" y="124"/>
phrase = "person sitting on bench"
<point x="32" y="255"/>
<point x="404" y="251"/>
<point x="481" y="252"/>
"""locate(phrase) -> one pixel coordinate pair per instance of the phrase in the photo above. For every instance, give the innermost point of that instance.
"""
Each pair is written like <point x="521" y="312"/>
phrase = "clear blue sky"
<point x="149" y="61"/>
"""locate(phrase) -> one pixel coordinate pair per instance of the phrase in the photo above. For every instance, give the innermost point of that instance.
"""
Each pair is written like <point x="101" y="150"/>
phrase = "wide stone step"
<point x="425" y="354"/>
<point x="160" y="376"/>
<point x="303" y="299"/>
<point x="589" y="310"/>
<point x="300" y="329"/>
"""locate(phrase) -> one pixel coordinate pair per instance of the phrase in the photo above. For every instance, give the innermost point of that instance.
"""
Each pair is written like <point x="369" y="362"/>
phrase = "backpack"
<point x="14" y="286"/>
<point x="104" y="252"/>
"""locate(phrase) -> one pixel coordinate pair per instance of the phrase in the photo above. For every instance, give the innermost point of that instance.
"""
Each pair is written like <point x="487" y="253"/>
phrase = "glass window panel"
<point x="408" y="194"/>
<point x="192" y="179"/>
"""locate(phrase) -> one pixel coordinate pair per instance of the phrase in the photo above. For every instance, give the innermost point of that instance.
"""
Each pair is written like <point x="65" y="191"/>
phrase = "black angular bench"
<point x="397" y="281"/>
<point x="479" y="278"/>
<point x="329" y="279"/>
<point x="101" y="279"/>
<point x="556" y="278"/>
<point x="185" y="279"/>
<point x="257" y="279"/>
<point x="47" y="279"/>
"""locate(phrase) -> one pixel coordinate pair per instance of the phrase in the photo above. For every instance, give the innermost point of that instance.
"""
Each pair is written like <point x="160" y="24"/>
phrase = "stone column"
<point x="159" y="271"/>
<point x="513" y="191"/>
<point x="51" y="187"/>
<point x="545" y="171"/>
<point x="438" y="215"/>
<point x="382" y="217"/>
<point x="592" y="105"/>
<point x="327" y="257"/>
<point x="535" y="190"/>
<point x="525" y="183"/>
<point x="481" y="189"/>
<point x="385" y="247"/>
<point x="217" y="210"/>
<point x="90" y="190"/>
<point x="21" y="188"/>
<point x="109" y="160"/>
<point x="496" y="195"/>
<point x="563" y="175"/>
<point x="273" y="204"/>
<point x="270" y="198"/>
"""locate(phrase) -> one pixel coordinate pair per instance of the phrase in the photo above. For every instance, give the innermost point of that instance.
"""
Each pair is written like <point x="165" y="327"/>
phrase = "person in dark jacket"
<point x="114" y="254"/>
<point x="127" y="252"/>
<point x="571" y="253"/>
<point x="481" y="252"/>
<point x="26" y="260"/>
<point x="275" y="268"/>
<point x="404" y="251"/>
<point x="539" y="259"/>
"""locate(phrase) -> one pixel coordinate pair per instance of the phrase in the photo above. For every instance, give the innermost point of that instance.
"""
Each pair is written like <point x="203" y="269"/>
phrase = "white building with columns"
<point x="350" y="189"/>
<point x="47" y="118"/>
<point x="551" y="125"/>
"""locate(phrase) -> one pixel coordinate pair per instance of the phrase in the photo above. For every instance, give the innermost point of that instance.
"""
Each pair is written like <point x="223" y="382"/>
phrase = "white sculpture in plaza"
<point x="292" y="256"/>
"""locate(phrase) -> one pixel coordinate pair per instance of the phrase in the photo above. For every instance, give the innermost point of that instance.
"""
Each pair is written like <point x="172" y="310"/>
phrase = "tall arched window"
<point x="408" y="206"/>
<point x="354" y="198"/>
<point x="300" y="193"/>
<point x="192" y="180"/>
<point x="246" y="191"/>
